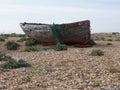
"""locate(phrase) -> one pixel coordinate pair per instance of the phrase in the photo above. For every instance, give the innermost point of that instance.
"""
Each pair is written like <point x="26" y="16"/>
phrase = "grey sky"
<point x="103" y="14"/>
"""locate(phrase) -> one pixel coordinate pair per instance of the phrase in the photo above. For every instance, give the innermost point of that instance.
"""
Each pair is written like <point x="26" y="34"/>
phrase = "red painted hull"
<point x="72" y="41"/>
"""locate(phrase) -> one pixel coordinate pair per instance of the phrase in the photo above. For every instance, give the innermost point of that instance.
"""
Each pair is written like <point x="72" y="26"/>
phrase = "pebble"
<point x="65" y="70"/>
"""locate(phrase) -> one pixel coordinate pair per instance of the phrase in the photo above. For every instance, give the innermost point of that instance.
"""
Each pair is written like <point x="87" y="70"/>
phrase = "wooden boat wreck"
<point x="75" y="33"/>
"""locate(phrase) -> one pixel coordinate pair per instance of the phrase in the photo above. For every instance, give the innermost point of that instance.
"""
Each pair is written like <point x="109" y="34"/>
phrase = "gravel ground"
<point x="74" y="69"/>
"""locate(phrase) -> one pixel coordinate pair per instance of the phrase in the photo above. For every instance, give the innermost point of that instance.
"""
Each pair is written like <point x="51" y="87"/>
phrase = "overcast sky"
<point x="103" y="14"/>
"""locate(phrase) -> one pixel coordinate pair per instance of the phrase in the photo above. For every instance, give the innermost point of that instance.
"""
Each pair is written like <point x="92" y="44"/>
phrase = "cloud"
<point x="101" y="18"/>
<point x="108" y="1"/>
<point x="52" y="9"/>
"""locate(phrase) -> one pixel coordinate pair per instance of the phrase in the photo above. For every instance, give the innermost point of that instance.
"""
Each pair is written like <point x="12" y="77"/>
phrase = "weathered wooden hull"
<point x="77" y="32"/>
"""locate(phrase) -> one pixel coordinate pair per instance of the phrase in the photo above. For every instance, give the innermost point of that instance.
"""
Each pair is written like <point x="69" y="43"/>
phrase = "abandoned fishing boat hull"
<point x="77" y="32"/>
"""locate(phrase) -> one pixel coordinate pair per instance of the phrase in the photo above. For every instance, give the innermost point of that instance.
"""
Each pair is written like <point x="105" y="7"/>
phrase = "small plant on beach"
<point x="109" y="43"/>
<point x="96" y="83"/>
<point x="112" y="69"/>
<point x="22" y="39"/>
<point x="48" y="69"/>
<point x="31" y="48"/>
<point x="102" y="38"/>
<point x="22" y="63"/>
<point x="110" y="36"/>
<point x="30" y="42"/>
<point x="3" y="57"/>
<point x="6" y="35"/>
<point x="92" y="42"/>
<point x="110" y="40"/>
<point x="3" y="36"/>
<point x="20" y="35"/>
<point x="14" y="35"/>
<point x="114" y="33"/>
<point x="97" y="52"/>
<point x="62" y="64"/>
<point x="60" y="47"/>
<point x="11" y="45"/>
<point x="10" y="63"/>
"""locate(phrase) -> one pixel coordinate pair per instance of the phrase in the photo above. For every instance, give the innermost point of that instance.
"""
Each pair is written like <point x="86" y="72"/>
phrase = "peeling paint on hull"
<point x="77" y="32"/>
